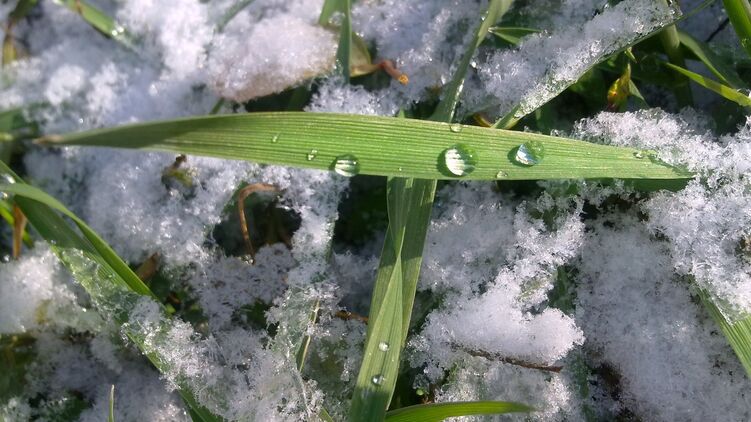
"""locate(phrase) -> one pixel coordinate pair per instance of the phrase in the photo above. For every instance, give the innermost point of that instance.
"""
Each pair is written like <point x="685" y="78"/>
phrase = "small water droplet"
<point x="401" y="169"/>
<point x="311" y="155"/>
<point x="117" y="31"/>
<point x="530" y="153"/>
<point x="377" y="379"/>
<point x="501" y="174"/>
<point x="383" y="346"/>
<point x="455" y="127"/>
<point x="459" y="160"/>
<point x="275" y="139"/>
<point x="639" y="154"/>
<point x="346" y="165"/>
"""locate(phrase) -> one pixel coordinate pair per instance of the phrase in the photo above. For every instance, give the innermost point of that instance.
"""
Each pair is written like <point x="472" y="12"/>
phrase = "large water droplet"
<point x="377" y="379"/>
<point x="346" y="165"/>
<point x="383" y="346"/>
<point x="530" y="153"/>
<point x="459" y="160"/>
<point x="7" y="179"/>
<point x="311" y="155"/>
<point x="455" y="127"/>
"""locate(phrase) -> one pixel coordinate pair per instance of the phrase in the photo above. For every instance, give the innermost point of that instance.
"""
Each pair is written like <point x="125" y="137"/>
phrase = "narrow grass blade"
<point x="436" y="412"/>
<point x="409" y="206"/>
<point x="724" y="90"/>
<point x="410" y="203"/>
<point x="23" y="7"/>
<point x="671" y="43"/>
<point x="99" y="20"/>
<point x="512" y="34"/>
<point x="739" y="12"/>
<point x="111" y="415"/>
<point x="345" y="42"/>
<point x="383" y="146"/>
<point x="231" y="13"/>
<point x="737" y="333"/>
<point x="716" y="64"/>
<point x="446" y="108"/>
<point x="112" y="285"/>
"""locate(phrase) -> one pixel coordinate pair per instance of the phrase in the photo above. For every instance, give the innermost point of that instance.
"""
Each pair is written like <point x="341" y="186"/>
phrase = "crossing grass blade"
<point x="383" y="146"/>
<point x="712" y="61"/>
<point x="739" y="12"/>
<point x="410" y="202"/>
<point x="436" y="412"/>
<point x="99" y="20"/>
<point x="109" y="281"/>
<point x="737" y="333"/>
<point x="725" y="91"/>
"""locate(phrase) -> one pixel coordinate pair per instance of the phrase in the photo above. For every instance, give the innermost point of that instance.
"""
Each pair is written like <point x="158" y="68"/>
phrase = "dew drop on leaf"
<point x="383" y="346"/>
<point x="455" y="127"/>
<point x="346" y="165"/>
<point x="530" y="153"/>
<point x="459" y="160"/>
<point x="311" y="155"/>
<point x="377" y="379"/>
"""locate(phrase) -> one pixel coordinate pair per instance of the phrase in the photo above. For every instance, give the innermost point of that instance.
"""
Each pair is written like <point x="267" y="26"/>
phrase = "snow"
<point x="540" y="294"/>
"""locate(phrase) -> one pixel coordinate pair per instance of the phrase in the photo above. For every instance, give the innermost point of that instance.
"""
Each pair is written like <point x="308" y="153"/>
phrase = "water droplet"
<point x="346" y="165"/>
<point x="459" y="160"/>
<point x="401" y="169"/>
<point x="383" y="346"/>
<point x="377" y="379"/>
<point x="117" y="31"/>
<point x="275" y="139"/>
<point x="455" y="127"/>
<point x="7" y="178"/>
<point x="639" y="154"/>
<point x="501" y="174"/>
<point x="530" y="153"/>
<point x="311" y="155"/>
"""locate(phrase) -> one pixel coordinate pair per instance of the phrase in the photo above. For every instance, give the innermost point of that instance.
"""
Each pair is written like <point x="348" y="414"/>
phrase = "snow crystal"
<point x="252" y="60"/>
<point x="495" y="319"/>
<point x="35" y="292"/>
<point x="641" y="319"/>
<point x="707" y="222"/>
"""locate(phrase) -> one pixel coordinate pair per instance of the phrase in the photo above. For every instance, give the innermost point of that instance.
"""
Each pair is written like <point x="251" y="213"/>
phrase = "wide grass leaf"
<point x="383" y="146"/>
<point x="112" y="285"/>
<point x="436" y="412"/>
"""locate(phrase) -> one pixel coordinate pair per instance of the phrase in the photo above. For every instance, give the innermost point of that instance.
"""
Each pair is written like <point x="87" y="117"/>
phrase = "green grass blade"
<point x="738" y="333"/>
<point x="739" y="12"/>
<point x="671" y="43"/>
<point x="439" y="411"/>
<point x="231" y="13"/>
<point x="447" y="107"/>
<point x="112" y="285"/>
<point x="409" y="205"/>
<point x="345" y="42"/>
<point x="712" y="61"/>
<point x="410" y="202"/>
<point x="111" y="415"/>
<point x="383" y="146"/>
<point x="724" y="90"/>
<point x="99" y="20"/>
<point x="512" y="34"/>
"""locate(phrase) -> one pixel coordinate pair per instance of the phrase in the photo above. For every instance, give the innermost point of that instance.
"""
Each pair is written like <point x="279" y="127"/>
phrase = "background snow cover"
<point x="488" y="329"/>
